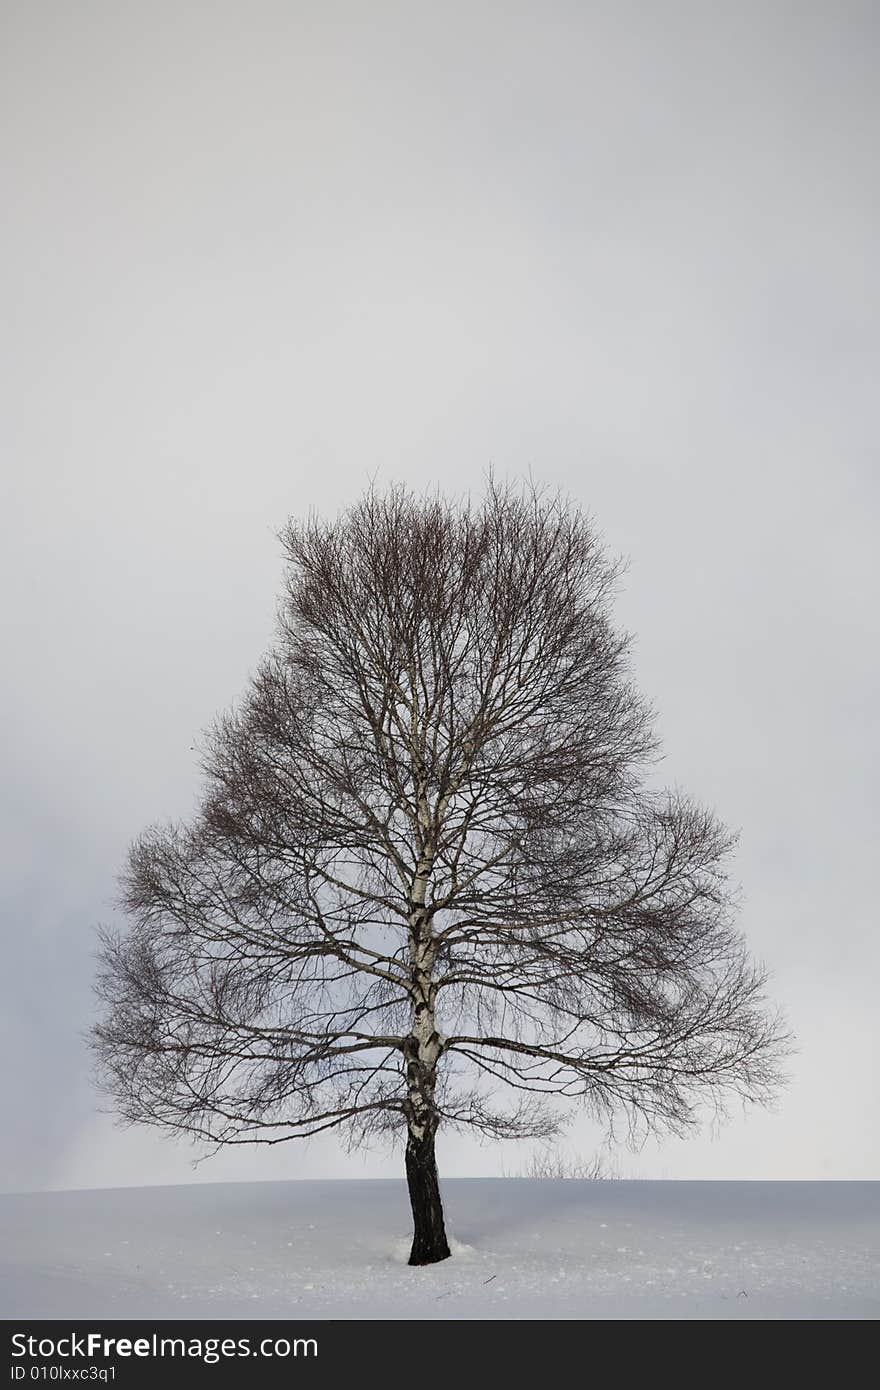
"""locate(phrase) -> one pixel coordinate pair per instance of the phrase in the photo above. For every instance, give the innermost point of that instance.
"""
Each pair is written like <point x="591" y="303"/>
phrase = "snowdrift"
<point x="523" y="1248"/>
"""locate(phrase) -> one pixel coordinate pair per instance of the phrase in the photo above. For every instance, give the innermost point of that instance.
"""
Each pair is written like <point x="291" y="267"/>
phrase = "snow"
<point x="522" y="1247"/>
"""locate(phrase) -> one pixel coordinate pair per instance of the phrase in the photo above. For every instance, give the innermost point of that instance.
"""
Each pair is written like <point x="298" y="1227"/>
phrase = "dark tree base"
<point x="429" y="1232"/>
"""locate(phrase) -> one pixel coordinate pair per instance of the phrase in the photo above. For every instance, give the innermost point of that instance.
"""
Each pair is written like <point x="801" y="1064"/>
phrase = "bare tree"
<point x="428" y="883"/>
<point x="550" y="1163"/>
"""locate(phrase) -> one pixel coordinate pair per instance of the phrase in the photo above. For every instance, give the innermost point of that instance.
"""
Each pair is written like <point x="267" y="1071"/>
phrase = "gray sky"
<point x="254" y="254"/>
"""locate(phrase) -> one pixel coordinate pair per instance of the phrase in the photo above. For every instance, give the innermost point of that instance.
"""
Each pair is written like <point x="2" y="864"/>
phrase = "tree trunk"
<point x="429" y="1233"/>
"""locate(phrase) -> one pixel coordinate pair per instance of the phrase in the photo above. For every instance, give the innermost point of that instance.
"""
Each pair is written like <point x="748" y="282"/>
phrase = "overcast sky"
<point x="255" y="254"/>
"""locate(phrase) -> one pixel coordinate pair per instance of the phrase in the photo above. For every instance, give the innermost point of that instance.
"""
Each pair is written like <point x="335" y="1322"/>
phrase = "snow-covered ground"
<point x="523" y="1248"/>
